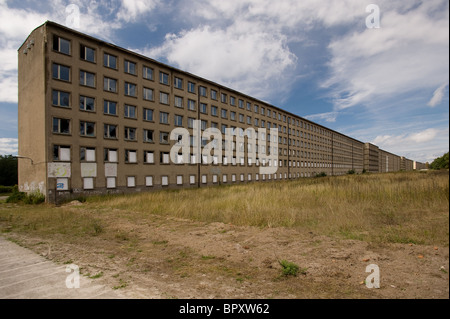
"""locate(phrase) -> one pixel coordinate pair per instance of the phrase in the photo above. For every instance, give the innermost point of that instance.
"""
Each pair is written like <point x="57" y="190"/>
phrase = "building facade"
<point x="95" y="118"/>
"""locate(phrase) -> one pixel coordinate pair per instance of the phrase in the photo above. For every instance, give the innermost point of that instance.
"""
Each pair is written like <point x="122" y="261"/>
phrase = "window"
<point x="148" y="115"/>
<point x="61" y="45"/>
<point x="61" y="72"/>
<point x="88" y="183"/>
<point x="178" y="102"/>
<point x="224" y="114"/>
<point x="204" y="125"/>
<point x="130" y="67"/>
<point x="178" y="120"/>
<point x="214" y="95"/>
<point x="249" y="106"/>
<point x="164" y="158"/>
<point x="164" y="138"/>
<point x="163" y="118"/>
<point x="87" y="129"/>
<point x="110" y="85"/>
<point x="191" y="87"/>
<point x="192" y="179"/>
<point x="165" y="180"/>
<point x="61" y="126"/>
<point x="163" y="78"/>
<point x="223" y="98"/>
<point x="62" y="184"/>
<point x="147" y="73"/>
<point x="130" y="89"/>
<point x="178" y="83"/>
<point x="224" y="129"/>
<point x="203" y="108"/>
<point x="232" y="100"/>
<point x="149" y="181"/>
<point x="131" y="181"/>
<point x="110" y="131"/>
<point x="110" y="182"/>
<point x="110" y="108"/>
<point x="61" y="98"/>
<point x="233" y="116"/>
<point x="87" y="79"/>
<point x="256" y="109"/>
<point x="130" y="111"/>
<point x="191" y="122"/>
<point x="148" y="94"/>
<point x="241" y="104"/>
<point x="191" y="105"/>
<point x="179" y="179"/>
<point x="87" y="103"/>
<point x="130" y="157"/>
<point x="148" y="136"/>
<point x="87" y="154"/>
<point x="130" y="134"/>
<point x="204" y="179"/>
<point x="87" y="53"/>
<point x="111" y="155"/>
<point x="214" y="110"/>
<point x="203" y="91"/>
<point x="163" y="98"/>
<point x="110" y="61"/>
<point x="149" y="157"/>
<point x="61" y="153"/>
<point x="241" y="118"/>
<point x="249" y="120"/>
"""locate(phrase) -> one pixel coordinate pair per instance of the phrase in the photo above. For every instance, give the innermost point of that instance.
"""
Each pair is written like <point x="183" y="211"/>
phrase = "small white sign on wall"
<point x="88" y="170"/>
<point x="111" y="170"/>
<point x="56" y="170"/>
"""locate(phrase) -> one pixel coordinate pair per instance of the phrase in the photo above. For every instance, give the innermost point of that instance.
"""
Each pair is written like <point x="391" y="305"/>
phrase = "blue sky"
<point x="314" y="58"/>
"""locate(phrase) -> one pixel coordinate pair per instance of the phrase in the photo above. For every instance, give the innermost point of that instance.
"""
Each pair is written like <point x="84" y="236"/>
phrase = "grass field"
<point x="396" y="208"/>
<point x="232" y="241"/>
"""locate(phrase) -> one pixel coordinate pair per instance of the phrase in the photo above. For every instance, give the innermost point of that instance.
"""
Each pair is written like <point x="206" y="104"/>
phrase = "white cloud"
<point x="255" y="63"/>
<point x="9" y="146"/>
<point x="438" y="95"/>
<point x="373" y="65"/>
<point x="420" y="146"/>
<point x="329" y="117"/>
<point x="132" y="9"/>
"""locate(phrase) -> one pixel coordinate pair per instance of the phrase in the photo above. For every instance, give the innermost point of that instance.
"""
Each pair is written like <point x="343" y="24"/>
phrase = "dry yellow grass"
<point x="400" y="207"/>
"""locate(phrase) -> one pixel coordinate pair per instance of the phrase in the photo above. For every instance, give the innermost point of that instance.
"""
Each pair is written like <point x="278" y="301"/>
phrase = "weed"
<point x="290" y="269"/>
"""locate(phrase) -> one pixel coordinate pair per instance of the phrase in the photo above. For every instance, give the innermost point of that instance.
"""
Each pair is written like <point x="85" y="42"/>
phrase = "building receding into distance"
<point x="95" y="118"/>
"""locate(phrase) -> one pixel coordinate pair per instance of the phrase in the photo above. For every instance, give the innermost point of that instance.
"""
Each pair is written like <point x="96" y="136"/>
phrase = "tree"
<point x="440" y="162"/>
<point x="8" y="170"/>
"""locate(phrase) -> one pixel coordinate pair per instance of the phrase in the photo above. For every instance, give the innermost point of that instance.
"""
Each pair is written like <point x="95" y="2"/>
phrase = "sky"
<point x="382" y="79"/>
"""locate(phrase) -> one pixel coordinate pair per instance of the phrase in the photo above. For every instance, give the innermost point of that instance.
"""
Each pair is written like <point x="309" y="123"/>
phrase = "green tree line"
<point x="440" y="162"/>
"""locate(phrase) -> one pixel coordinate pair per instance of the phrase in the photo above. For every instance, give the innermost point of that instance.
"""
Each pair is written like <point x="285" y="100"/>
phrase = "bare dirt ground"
<point x="172" y="258"/>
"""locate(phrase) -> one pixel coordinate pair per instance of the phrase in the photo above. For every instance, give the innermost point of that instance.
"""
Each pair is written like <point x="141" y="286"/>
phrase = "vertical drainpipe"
<point x="289" y="148"/>
<point x="332" y="154"/>
<point x="199" y="159"/>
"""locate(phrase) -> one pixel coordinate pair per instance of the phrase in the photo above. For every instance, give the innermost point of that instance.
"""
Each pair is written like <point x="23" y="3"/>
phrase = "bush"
<point x="323" y="174"/>
<point x="351" y="172"/>
<point x="289" y="268"/>
<point x="16" y="197"/>
<point x="440" y="162"/>
<point x="6" y="189"/>
<point x="34" y="198"/>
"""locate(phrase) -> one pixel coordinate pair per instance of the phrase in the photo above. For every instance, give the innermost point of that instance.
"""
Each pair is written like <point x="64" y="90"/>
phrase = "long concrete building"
<point x="95" y="118"/>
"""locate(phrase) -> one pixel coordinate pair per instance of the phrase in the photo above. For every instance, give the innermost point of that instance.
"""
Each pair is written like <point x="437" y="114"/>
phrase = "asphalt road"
<point x="26" y="275"/>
